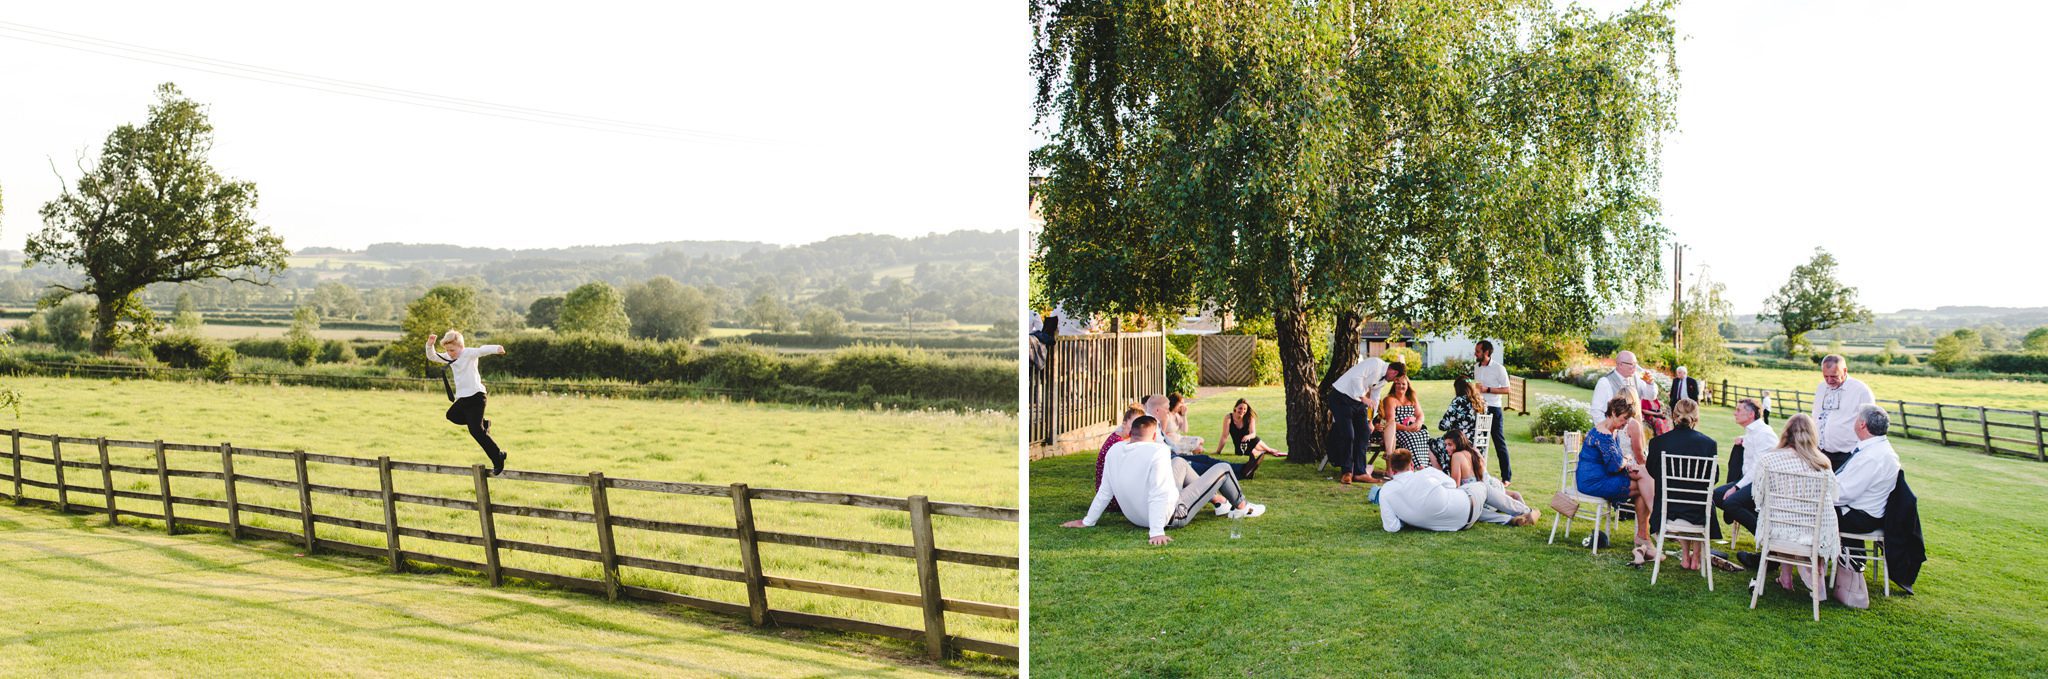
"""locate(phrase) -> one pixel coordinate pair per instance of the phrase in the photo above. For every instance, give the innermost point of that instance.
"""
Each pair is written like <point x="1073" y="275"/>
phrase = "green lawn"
<point x="1316" y="588"/>
<point x="86" y="600"/>
<point x="1992" y="393"/>
<point x="967" y="458"/>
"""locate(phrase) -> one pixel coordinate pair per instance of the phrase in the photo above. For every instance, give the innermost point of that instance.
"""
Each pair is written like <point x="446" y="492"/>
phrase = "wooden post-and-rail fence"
<point x="1996" y="431"/>
<point x="922" y="549"/>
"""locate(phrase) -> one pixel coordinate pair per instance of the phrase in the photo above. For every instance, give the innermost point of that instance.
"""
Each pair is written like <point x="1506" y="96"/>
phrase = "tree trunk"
<point x="1307" y="421"/>
<point x="1343" y="346"/>
<point x="105" y="315"/>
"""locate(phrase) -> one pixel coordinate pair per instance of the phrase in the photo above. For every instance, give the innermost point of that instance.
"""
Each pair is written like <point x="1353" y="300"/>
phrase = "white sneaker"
<point x="1223" y="510"/>
<point x="1250" y="510"/>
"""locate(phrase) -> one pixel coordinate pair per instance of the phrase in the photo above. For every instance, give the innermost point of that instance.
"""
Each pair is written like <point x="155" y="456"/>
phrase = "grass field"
<point x="950" y="457"/>
<point x="87" y="600"/>
<point x="1996" y="394"/>
<point x="1316" y="588"/>
<point x="235" y="332"/>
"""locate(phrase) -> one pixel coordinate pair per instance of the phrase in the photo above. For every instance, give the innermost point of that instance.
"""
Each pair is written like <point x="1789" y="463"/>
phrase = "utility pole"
<point x="1677" y="296"/>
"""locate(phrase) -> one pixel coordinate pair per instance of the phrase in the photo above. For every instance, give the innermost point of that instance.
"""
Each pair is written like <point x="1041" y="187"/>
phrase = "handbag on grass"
<point x="1565" y="504"/>
<point x="1850" y="588"/>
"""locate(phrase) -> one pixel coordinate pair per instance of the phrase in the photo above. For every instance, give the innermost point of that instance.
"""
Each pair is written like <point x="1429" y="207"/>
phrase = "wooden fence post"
<point x="163" y="488"/>
<point x="1052" y="393"/>
<point x="928" y="577"/>
<point x="305" y="500"/>
<point x="601" y="506"/>
<point x="57" y="463"/>
<point x="2040" y="442"/>
<point x="1905" y="422"/>
<point x="107" y="483"/>
<point x="16" y="435"/>
<point x="390" y="514"/>
<point x="1941" y="422"/>
<point x="750" y="555"/>
<point x="227" y="479"/>
<point x="490" y="528"/>
<point x="1984" y="421"/>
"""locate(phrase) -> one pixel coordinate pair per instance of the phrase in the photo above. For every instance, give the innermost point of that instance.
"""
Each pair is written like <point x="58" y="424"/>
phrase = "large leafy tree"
<point x="152" y="209"/>
<point x="1484" y="165"/>
<point x="1812" y="299"/>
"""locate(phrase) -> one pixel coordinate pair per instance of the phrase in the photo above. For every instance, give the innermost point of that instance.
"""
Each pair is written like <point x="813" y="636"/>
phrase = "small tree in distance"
<point x="823" y="323"/>
<point x="662" y="309"/>
<point x="595" y="308"/>
<point x="1812" y="299"/>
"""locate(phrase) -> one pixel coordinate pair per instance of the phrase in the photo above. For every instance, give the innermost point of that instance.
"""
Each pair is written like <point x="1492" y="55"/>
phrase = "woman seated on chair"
<point x="1683" y="440"/>
<point x="1608" y="473"/>
<point x="1469" y="467"/>
<point x="1799" y="451"/>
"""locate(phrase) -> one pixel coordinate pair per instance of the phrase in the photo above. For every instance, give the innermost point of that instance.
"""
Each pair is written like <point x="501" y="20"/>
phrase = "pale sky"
<point x="1906" y="138"/>
<point x="788" y="122"/>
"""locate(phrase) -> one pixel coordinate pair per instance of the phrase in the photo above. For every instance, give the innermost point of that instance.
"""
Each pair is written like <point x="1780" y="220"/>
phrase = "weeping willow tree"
<point x="1481" y="166"/>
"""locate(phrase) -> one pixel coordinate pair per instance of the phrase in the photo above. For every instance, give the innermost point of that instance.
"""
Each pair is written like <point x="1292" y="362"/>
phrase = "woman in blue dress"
<point x="1609" y="472"/>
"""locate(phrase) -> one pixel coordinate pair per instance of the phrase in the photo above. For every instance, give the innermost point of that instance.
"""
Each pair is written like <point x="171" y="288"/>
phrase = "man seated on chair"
<point x="1870" y="473"/>
<point x="1159" y="491"/>
<point x="1734" y="499"/>
<point x="1427" y="498"/>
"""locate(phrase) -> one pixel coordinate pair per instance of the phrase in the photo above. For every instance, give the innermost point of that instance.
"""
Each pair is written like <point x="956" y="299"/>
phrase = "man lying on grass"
<point x="1160" y="491"/>
<point x="1428" y="498"/>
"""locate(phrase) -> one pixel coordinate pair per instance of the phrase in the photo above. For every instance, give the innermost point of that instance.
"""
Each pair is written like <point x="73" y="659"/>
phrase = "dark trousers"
<point x="469" y="411"/>
<point x="1202" y="463"/>
<point x="1856" y="521"/>
<point x="1837" y="460"/>
<point x="1500" y="443"/>
<point x="1740" y="507"/>
<point x="1349" y="434"/>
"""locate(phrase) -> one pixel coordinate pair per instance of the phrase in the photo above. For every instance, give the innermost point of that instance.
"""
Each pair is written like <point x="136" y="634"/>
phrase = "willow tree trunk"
<point x="1343" y="346"/>
<point x="1307" y="420"/>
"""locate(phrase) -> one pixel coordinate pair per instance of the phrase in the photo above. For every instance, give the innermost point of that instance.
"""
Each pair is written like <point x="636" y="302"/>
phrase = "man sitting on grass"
<point x="1428" y="498"/>
<point x="1156" y="489"/>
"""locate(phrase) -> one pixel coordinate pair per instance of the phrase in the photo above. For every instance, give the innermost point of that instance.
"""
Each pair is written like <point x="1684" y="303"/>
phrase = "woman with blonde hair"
<point x="1799" y="451"/>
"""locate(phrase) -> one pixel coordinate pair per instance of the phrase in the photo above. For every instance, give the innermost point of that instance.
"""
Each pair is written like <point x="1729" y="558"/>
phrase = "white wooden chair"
<point x="1482" y="438"/>
<point x="1789" y="505"/>
<point x="1569" y="482"/>
<point x="1872" y="550"/>
<point x="1691" y="471"/>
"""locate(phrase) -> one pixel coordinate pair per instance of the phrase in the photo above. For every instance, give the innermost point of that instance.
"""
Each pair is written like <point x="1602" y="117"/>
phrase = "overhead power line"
<point x="134" y="52"/>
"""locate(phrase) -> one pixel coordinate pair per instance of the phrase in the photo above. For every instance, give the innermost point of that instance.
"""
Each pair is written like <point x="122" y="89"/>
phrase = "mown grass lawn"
<point x="86" y="600"/>
<point x="1316" y="588"/>
<point x="2012" y="395"/>
<point x="950" y="457"/>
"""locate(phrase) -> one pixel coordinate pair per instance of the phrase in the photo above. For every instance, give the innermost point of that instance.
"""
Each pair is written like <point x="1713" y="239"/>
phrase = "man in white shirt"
<point x="1835" y="403"/>
<point x="1426" y="498"/>
<point x="1350" y="428"/>
<point x="1735" y="499"/>
<point x="1157" y="490"/>
<point x="1626" y="376"/>
<point x="1869" y="475"/>
<point x="468" y="394"/>
<point x="1493" y="381"/>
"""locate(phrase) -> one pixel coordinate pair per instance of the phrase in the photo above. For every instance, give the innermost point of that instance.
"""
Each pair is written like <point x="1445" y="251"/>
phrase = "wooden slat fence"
<point x="1086" y="380"/>
<point x="1996" y="431"/>
<point x="68" y="452"/>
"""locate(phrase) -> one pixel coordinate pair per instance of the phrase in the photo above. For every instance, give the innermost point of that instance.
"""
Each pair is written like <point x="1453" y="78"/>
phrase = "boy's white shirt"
<point x="467" y="381"/>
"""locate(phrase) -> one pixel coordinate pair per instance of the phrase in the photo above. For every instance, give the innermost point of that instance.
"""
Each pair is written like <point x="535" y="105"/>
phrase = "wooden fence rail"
<point x="922" y="549"/>
<point x="1973" y="426"/>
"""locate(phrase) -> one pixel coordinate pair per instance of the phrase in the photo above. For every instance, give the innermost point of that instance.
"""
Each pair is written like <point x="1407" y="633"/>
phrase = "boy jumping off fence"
<point x="467" y="391"/>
